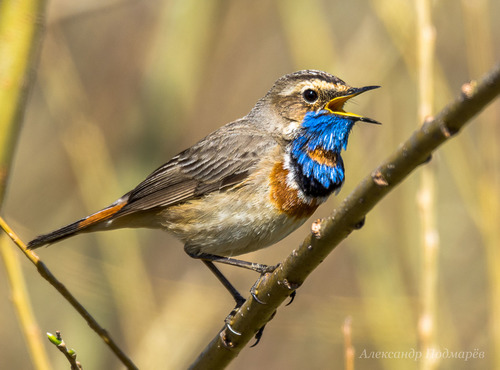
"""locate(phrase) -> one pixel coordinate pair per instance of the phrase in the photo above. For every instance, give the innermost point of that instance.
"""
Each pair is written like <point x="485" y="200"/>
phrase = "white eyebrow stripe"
<point x="319" y="85"/>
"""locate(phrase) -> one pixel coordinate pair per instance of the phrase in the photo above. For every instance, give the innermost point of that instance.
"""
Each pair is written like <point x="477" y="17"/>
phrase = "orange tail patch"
<point x="101" y="215"/>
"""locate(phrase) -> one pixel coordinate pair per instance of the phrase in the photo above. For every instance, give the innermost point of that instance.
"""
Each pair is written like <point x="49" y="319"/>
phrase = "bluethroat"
<point x="248" y="184"/>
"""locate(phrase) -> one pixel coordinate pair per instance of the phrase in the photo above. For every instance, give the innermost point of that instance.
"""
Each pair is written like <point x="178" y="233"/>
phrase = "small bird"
<point x="248" y="184"/>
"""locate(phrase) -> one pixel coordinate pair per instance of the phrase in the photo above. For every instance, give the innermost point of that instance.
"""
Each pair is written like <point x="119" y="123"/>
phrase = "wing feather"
<point x="221" y="160"/>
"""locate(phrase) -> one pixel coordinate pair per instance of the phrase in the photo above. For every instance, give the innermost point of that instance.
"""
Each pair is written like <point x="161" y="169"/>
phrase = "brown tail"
<point x="77" y="227"/>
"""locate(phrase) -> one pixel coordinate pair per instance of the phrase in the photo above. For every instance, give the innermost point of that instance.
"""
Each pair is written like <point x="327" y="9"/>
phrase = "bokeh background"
<point x="124" y="85"/>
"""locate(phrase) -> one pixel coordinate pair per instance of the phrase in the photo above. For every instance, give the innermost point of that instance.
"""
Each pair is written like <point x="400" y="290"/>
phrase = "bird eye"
<point x="310" y="96"/>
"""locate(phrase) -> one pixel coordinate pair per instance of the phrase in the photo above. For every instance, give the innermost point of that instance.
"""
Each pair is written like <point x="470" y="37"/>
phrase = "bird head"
<point x="297" y="98"/>
<point x="305" y="112"/>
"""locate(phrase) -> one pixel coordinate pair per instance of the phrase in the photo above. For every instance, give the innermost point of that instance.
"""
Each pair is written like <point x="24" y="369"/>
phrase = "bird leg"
<point x="257" y="267"/>
<point x="231" y="289"/>
<point x="209" y="259"/>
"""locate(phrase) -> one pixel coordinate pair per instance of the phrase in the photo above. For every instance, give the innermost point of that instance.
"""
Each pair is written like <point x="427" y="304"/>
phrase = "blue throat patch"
<point x="325" y="132"/>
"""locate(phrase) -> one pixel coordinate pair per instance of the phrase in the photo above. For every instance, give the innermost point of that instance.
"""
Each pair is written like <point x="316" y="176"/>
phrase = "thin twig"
<point x="274" y="288"/>
<point x="69" y="353"/>
<point x="47" y="275"/>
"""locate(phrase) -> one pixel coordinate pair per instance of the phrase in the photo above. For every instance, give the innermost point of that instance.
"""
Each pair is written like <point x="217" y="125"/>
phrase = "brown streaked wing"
<point x="223" y="159"/>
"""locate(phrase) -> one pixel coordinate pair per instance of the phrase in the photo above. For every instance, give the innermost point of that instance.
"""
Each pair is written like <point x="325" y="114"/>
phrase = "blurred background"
<point x="122" y="86"/>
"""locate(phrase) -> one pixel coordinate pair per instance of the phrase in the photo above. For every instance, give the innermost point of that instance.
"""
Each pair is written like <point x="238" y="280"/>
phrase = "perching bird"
<point x="248" y="184"/>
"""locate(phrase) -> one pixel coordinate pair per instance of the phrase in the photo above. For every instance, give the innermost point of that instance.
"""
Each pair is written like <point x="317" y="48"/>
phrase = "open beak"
<point x="336" y="105"/>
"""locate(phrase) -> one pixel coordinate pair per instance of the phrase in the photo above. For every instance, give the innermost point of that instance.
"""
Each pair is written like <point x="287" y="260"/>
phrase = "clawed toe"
<point x="230" y="328"/>
<point x="292" y="297"/>
<point x="258" y="336"/>
<point x="254" y="295"/>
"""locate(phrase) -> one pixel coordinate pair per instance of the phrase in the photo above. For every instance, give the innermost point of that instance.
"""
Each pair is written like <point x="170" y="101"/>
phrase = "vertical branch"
<point x="426" y="196"/>
<point x="20" y="34"/>
<point x="20" y="29"/>
<point x="348" y="347"/>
